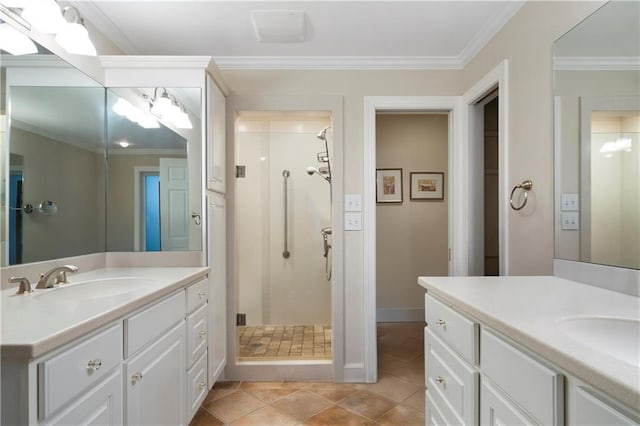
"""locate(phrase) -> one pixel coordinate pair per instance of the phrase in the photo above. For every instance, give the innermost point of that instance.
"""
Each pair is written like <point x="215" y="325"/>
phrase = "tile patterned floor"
<point x="284" y="342"/>
<point x="397" y="398"/>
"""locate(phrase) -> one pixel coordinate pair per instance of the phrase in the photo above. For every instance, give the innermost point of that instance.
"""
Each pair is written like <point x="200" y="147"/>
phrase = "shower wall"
<point x="272" y="289"/>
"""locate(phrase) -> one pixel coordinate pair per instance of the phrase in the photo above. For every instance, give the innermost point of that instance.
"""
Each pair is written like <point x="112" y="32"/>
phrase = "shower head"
<point x="323" y="134"/>
<point x="312" y="170"/>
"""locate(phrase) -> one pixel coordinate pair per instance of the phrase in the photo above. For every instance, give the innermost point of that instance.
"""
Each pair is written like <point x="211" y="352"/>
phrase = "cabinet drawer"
<point x="71" y="372"/>
<point x="196" y="334"/>
<point x="433" y="415"/>
<point x="452" y="377"/>
<point x="457" y="331"/>
<point x="442" y="411"/>
<point x="197" y="388"/>
<point x="146" y="326"/>
<point x="535" y="387"/>
<point x="197" y="295"/>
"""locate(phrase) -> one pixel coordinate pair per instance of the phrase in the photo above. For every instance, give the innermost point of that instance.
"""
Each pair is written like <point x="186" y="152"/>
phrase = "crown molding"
<point x="34" y="61"/>
<point x="152" y="61"/>
<point x="597" y="63"/>
<point x="487" y="32"/>
<point x="338" y="62"/>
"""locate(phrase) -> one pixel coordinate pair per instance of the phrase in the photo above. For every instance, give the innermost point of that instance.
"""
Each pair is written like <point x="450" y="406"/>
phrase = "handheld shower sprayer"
<point x="323" y="134"/>
<point x="322" y="173"/>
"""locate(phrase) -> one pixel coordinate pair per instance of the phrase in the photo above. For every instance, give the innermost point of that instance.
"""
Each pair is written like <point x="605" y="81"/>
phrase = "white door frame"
<point x="460" y="186"/>
<point x="456" y="192"/>
<point x="497" y="77"/>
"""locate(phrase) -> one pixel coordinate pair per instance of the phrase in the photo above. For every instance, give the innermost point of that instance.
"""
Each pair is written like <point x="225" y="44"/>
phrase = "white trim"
<point x="151" y="61"/>
<point x="622" y="280"/>
<point x="338" y="62"/>
<point x="455" y="190"/>
<point x="493" y="26"/>
<point x="137" y="228"/>
<point x="400" y="315"/>
<point x="41" y="60"/>
<point x="596" y="63"/>
<point x="557" y="160"/>
<point x="496" y="77"/>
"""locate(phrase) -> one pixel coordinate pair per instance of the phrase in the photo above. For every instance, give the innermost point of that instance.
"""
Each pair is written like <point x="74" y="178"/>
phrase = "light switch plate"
<point x="570" y="221"/>
<point x="352" y="221"/>
<point x="352" y="202"/>
<point x="569" y="203"/>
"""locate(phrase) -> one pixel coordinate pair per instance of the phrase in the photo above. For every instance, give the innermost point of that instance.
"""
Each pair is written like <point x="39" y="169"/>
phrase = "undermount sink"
<point x="93" y="289"/>
<point x="615" y="337"/>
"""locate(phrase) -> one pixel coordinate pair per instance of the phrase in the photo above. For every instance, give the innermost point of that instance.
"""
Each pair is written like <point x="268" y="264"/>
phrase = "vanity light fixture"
<point x="124" y="108"/>
<point x="73" y="36"/>
<point x="44" y="15"/>
<point x="167" y="109"/>
<point x="14" y="42"/>
<point x="124" y="143"/>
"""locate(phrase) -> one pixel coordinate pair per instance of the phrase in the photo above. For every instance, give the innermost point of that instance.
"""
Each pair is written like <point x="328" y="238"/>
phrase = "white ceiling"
<point x="339" y="34"/>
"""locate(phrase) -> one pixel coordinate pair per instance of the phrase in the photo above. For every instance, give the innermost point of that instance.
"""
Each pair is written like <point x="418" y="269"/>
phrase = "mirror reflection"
<point x="52" y="144"/>
<point x="597" y="123"/>
<point x="154" y="185"/>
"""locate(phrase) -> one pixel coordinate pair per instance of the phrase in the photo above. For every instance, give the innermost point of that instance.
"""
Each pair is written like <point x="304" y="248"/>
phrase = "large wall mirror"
<point x="80" y="175"/>
<point x="597" y="138"/>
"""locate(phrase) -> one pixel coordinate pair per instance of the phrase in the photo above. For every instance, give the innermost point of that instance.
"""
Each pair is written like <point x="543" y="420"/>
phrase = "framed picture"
<point x="388" y="185"/>
<point x="427" y="186"/>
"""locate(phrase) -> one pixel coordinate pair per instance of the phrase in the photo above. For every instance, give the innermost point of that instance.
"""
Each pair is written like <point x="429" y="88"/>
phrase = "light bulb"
<point x="14" y="42"/>
<point x="74" y="38"/>
<point x="124" y="143"/>
<point x="44" y="15"/>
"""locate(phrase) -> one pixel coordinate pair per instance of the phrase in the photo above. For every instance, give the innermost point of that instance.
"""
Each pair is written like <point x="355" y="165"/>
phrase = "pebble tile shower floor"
<point x="397" y="398"/>
<point x="284" y="342"/>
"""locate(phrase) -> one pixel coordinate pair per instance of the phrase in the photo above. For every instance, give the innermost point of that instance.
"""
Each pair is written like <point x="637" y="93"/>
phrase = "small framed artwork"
<point x="427" y="186"/>
<point x="388" y="185"/>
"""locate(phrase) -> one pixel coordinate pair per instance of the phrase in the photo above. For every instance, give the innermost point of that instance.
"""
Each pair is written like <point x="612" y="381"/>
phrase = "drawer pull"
<point x="136" y="377"/>
<point x="202" y="334"/>
<point x="440" y="380"/>
<point x="203" y="385"/>
<point x="94" y="365"/>
<point x="441" y="323"/>
<point x="202" y="294"/>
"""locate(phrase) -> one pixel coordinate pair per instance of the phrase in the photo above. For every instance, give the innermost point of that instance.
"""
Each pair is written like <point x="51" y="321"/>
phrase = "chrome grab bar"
<point x="285" y="175"/>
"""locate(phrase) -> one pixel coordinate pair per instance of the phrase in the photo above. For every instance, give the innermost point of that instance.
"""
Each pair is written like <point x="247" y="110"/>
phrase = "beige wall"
<point x="412" y="237"/>
<point x="527" y="42"/>
<point x="120" y="205"/>
<point x="75" y="228"/>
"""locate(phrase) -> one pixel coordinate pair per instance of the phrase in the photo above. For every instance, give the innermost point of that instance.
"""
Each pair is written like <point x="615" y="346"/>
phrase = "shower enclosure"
<point x="283" y="220"/>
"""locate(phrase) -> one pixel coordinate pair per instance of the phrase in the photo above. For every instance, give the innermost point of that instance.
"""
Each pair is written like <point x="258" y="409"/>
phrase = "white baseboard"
<point x="400" y="315"/>
<point x="354" y="372"/>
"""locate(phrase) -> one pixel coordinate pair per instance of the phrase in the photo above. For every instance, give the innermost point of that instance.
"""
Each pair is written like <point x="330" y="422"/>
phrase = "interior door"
<point x="174" y="204"/>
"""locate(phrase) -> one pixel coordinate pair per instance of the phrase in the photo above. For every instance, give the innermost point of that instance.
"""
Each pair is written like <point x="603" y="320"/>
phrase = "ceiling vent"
<point x="279" y="26"/>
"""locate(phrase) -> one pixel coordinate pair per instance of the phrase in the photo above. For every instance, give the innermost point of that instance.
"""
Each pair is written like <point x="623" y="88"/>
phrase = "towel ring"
<point x="526" y="185"/>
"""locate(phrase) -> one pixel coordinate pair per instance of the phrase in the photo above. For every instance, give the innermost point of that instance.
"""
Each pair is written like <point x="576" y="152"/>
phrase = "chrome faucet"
<point x="60" y="273"/>
<point x="24" y="286"/>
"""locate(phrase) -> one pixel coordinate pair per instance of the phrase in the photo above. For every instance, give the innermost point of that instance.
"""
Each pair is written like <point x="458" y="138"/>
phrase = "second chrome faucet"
<point x="59" y="274"/>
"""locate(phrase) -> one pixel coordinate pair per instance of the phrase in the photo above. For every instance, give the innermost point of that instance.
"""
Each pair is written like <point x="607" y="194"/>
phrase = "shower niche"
<point x="283" y="240"/>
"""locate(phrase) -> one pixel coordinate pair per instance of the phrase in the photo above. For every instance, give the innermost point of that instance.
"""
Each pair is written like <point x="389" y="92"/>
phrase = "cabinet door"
<point x="216" y="137"/>
<point x="217" y="286"/>
<point x="156" y="382"/>
<point x="496" y="409"/>
<point x="590" y="410"/>
<point x="100" y="405"/>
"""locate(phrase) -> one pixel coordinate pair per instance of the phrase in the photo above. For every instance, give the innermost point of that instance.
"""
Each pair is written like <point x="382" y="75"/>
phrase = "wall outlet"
<point x="569" y="203"/>
<point x="353" y="221"/>
<point x="241" y="319"/>
<point x="352" y="202"/>
<point x="570" y="221"/>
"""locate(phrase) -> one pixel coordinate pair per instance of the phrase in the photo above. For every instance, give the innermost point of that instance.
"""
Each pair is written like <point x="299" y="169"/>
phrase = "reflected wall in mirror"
<point x="154" y="183"/>
<point x="52" y="145"/>
<point x="596" y="88"/>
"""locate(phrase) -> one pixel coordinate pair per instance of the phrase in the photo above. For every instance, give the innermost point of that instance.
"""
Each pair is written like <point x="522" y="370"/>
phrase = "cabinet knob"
<point x="136" y="377"/>
<point x="441" y="323"/>
<point x="203" y="385"/>
<point x="202" y="294"/>
<point x="94" y="365"/>
<point x="440" y="380"/>
<point x="202" y="334"/>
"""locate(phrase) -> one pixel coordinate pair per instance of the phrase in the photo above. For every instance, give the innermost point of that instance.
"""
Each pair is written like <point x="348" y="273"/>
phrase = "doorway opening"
<point x="491" y="161"/>
<point x="283" y="237"/>
<point x="151" y="210"/>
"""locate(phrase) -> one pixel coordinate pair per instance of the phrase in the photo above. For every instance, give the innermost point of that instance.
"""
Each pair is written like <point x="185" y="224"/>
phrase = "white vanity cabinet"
<point x="216" y="137"/>
<point x="474" y="376"/>
<point x="217" y="233"/>
<point x="588" y="408"/>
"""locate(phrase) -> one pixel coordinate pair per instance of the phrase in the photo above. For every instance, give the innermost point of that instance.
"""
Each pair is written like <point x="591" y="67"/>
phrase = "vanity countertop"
<point x="529" y="310"/>
<point x="37" y="323"/>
